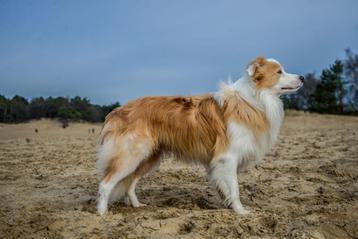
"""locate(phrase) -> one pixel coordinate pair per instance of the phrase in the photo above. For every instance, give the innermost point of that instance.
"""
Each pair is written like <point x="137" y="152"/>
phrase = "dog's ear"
<point x="255" y="65"/>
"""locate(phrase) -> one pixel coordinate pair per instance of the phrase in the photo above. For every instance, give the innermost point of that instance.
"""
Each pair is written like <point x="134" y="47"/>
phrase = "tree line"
<point x="335" y="91"/>
<point x="19" y="109"/>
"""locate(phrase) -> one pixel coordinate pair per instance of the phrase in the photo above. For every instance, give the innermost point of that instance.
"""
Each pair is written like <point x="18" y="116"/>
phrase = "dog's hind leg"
<point x="145" y="167"/>
<point x="120" y="190"/>
<point x="133" y="151"/>
<point x="223" y="174"/>
<point x="132" y="195"/>
<point x="109" y="182"/>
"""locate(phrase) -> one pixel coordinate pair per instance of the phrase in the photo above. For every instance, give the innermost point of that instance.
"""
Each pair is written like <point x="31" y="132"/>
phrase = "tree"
<point x="53" y="105"/>
<point x="94" y="113"/>
<point x="19" y="110"/>
<point x="37" y="108"/>
<point x="351" y="80"/>
<point x="106" y="109"/>
<point x="4" y="108"/>
<point x="68" y="113"/>
<point x="81" y="105"/>
<point x="329" y="93"/>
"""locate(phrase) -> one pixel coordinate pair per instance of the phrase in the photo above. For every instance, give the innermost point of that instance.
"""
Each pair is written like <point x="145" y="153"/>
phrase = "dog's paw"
<point x="241" y="210"/>
<point x="139" y="205"/>
<point x="101" y="210"/>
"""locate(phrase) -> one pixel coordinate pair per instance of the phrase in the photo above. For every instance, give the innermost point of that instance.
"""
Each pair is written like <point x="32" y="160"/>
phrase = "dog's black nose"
<point x="302" y="78"/>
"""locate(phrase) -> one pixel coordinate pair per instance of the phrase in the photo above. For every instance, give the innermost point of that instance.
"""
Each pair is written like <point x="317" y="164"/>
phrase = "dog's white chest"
<point x="242" y="140"/>
<point x="245" y="147"/>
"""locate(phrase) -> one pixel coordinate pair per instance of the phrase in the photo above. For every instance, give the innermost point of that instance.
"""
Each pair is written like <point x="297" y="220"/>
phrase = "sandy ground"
<point x="306" y="188"/>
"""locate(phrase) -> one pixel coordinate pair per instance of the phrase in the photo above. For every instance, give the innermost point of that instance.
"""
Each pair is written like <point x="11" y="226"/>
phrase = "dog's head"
<point x="270" y="75"/>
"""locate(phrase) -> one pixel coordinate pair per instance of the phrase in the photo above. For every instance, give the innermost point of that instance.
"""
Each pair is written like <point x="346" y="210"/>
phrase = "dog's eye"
<point x="279" y="72"/>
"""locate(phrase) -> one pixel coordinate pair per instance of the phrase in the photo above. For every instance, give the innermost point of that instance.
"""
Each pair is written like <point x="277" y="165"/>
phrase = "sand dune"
<point x="306" y="188"/>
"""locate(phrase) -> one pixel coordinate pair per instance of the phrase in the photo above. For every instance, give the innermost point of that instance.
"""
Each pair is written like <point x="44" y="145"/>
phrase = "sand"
<point x="306" y="188"/>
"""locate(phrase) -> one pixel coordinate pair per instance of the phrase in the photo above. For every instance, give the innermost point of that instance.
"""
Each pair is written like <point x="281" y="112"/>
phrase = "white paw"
<point x="241" y="210"/>
<point x="101" y="208"/>
<point x="139" y="205"/>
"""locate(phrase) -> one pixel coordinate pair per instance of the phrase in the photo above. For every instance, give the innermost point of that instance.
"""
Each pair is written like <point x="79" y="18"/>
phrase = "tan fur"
<point x="265" y="73"/>
<point x="144" y="168"/>
<point x="192" y="127"/>
<point x="113" y="165"/>
<point x="237" y="109"/>
<point x="147" y="165"/>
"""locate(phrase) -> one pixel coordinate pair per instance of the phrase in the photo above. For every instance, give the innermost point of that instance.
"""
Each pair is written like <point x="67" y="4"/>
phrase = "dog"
<point x="224" y="131"/>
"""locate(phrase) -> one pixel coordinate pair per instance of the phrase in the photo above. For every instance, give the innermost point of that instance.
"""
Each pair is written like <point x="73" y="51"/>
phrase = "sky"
<point x="119" y="50"/>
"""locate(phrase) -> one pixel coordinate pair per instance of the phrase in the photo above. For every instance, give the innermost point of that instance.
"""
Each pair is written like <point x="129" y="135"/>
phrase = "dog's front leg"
<point x="223" y="175"/>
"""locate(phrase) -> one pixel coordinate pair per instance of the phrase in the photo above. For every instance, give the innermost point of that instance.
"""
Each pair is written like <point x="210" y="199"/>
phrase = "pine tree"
<point x="19" y="110"/>
<point x="351" y="80"/>
<point x="329" y="94"/>
<point x="4" y="108"/>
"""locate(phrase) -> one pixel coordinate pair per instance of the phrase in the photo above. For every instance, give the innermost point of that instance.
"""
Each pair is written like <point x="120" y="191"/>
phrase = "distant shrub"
<point x="65" y="123"/>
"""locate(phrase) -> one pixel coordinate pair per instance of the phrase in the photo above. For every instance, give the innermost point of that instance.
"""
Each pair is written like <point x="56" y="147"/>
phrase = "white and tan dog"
<point x="224" y="131"/>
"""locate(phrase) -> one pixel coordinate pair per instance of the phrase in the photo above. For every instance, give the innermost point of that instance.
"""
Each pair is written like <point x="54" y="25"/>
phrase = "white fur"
<point x="105" y="153"/>
<point x="130" y="162"/>
<point x="266" y="100"/>
<point x="246" y="148"/>
<point x="223" y="172"/>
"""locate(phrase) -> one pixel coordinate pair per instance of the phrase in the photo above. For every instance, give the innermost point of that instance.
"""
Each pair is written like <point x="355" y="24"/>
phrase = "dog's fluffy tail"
<point x="108" y="148"/>
<point x="108" y="145"/>
<point x="105" y="153"/>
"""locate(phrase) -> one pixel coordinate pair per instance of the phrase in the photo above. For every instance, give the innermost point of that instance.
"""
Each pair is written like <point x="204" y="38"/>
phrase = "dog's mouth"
<point x="290" y="88"/>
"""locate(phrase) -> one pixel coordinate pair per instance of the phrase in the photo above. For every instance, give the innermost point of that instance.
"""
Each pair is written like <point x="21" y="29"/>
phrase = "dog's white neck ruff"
<point x="264" y="100"/>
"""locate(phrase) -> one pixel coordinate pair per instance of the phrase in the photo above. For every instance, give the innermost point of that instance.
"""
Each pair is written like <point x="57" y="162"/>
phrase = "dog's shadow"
<point x="180" y="197"/>
<point x="165" y="197"/>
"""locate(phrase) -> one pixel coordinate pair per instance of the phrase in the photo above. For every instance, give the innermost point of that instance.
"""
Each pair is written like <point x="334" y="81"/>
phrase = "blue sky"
<point x="119" y="50"/>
